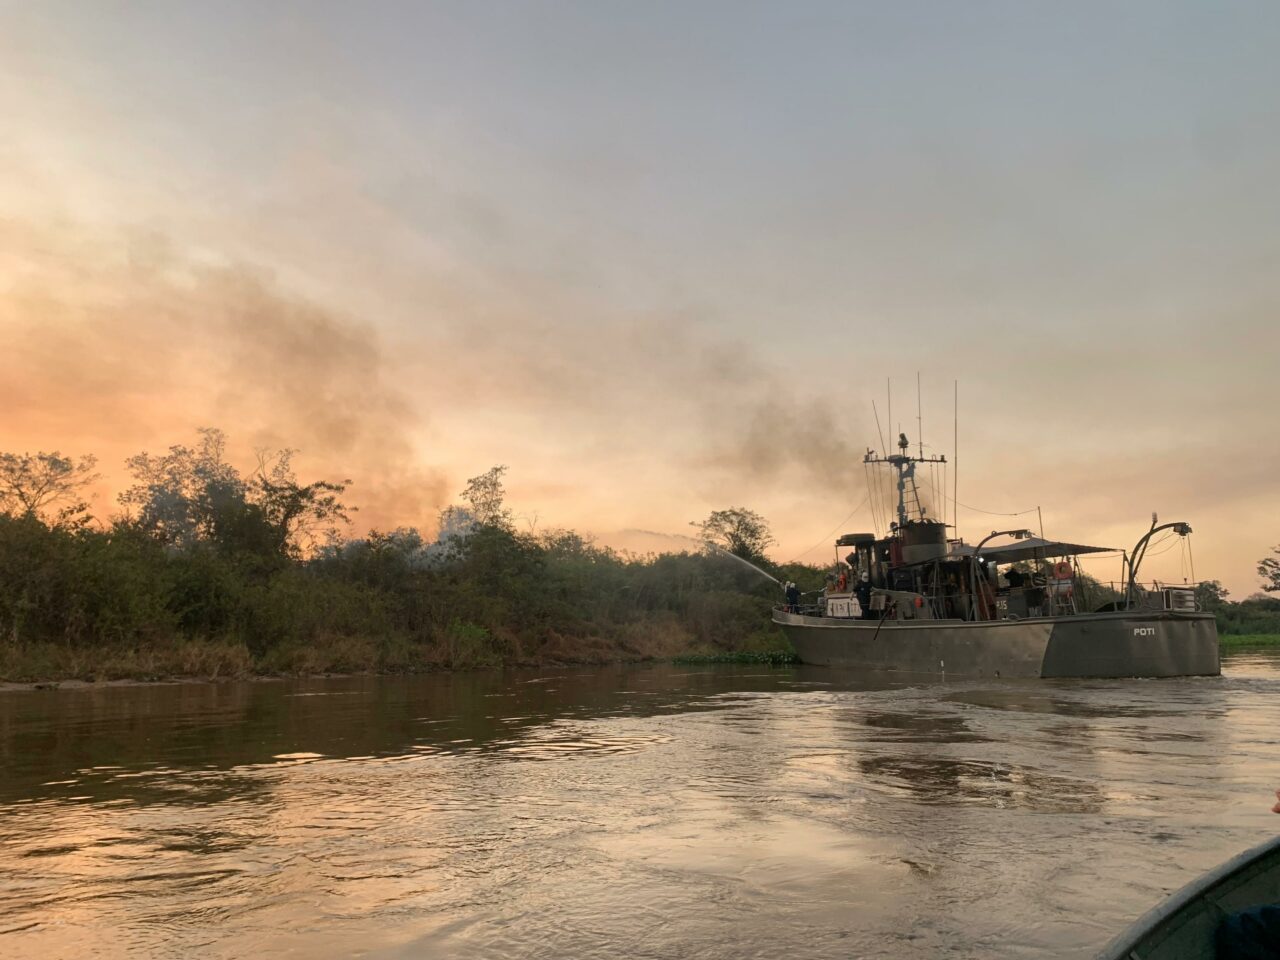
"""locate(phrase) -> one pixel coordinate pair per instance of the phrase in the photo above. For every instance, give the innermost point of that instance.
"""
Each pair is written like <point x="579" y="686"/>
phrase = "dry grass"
<point x="203" y="659"/>
<point x="460" y="647"/>
<point x="659" y="639"/>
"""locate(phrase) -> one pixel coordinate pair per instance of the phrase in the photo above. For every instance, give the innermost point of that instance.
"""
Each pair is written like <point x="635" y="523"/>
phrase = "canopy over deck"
<point x="1032" y="548"/>
<point x="1035" y="548"/>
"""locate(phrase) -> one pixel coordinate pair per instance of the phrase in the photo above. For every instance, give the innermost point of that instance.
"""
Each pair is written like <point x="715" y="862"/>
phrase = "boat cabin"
<point x="915" y="572"/>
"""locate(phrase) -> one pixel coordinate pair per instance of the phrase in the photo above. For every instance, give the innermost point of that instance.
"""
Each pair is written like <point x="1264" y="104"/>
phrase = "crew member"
<point x="863" y="593"/>
<point x="793" y="597"/>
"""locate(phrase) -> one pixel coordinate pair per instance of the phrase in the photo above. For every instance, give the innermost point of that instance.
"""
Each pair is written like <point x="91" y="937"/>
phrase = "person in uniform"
<point x="863" y="592"/>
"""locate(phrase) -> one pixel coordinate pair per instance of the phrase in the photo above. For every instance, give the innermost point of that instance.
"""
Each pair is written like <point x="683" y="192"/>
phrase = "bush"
<point x="134" y="605"/>
<point x="468" y="646"/>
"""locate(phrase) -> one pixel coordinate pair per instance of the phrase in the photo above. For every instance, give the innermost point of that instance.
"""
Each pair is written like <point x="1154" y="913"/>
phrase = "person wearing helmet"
<point x="863" y="592"/>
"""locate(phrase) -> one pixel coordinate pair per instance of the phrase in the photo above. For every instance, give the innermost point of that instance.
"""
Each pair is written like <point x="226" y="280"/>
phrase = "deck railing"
<point x="1054" y="598"/>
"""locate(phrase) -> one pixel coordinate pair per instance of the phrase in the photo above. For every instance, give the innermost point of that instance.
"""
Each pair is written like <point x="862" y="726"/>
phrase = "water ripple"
<point x="710" y="813"/>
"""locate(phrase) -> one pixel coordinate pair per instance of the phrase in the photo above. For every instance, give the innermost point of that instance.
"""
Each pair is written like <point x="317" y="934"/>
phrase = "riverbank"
<point x="459" y="649"/>
<point x="1249" y="640"/>
<point x="33" y="665"/>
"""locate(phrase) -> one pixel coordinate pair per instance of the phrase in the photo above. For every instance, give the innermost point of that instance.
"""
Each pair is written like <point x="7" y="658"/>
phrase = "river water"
<point x="639" y="811"/>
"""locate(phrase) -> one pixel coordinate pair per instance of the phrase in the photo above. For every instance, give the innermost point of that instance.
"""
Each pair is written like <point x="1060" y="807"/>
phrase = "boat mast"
<point x="905" y="465"/>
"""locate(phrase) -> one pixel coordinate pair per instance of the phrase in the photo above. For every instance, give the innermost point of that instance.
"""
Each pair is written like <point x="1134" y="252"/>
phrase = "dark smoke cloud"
<point x="785" y="439"/>
<point x="120" y="347"/>
<point x="333" y="390"/>
<point x="608" y="419"/>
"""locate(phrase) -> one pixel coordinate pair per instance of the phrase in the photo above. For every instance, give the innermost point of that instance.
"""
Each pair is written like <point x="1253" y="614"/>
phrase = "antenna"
<point x="888" y="389"/>
<point x="884" y="452"/>
<point x="905" y="466"/>
<point x="919" y="417"/>
<point x="955" y="460"/>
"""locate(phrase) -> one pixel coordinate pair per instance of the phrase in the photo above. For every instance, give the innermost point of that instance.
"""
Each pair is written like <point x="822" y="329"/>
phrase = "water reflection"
<point x="899" y="727"/>
<point x="711" y="812"/>
<point x="948" y="781"/>
<point x="162" y="738"/>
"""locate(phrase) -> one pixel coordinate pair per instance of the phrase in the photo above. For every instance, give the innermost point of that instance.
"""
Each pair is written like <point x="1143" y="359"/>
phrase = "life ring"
<point x="1062" y="570"/>
<point x="842" y="582"/>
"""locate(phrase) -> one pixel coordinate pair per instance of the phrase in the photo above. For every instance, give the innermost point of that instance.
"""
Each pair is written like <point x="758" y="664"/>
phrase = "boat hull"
<point x="1122" y="644"/>
<point x="1183" y="927"/>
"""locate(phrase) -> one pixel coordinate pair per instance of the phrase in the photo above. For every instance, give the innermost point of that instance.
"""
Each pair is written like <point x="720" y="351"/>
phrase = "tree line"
<point x="259" y="562"/>
<point x="1254" y="615"/>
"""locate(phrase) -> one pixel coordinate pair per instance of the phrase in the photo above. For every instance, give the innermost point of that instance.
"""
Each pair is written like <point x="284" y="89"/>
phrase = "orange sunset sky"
<point x="660" y="258"/>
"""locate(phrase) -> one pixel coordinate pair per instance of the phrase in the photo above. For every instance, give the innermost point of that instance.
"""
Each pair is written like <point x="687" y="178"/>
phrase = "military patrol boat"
<point x="1014" y="605"/>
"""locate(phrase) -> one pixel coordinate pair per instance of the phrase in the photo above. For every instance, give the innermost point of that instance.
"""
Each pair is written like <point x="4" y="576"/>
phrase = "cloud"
<point x="609" y="417"/>
<point x="128" y="345"/>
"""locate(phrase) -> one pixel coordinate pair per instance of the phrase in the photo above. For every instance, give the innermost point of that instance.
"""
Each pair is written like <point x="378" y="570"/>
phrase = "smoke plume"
<point x="118" y="348"/>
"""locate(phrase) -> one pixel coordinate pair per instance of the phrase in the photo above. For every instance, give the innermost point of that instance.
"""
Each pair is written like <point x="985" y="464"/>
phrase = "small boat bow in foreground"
<point x="1183" y="927"/>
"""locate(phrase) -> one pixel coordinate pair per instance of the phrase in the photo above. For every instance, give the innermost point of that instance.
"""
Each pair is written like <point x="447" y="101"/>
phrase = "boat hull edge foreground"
<point x="1122" y="644"/>
<point x="1183" y="926"/>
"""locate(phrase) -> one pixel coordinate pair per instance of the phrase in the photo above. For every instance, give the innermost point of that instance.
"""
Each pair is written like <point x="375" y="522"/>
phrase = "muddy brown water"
<point x="647" y="811"/>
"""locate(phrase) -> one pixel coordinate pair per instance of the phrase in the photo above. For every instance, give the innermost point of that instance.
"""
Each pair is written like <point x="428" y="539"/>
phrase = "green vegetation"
<point x="1269" y="571"/>
<point x="1255" y="616"/>
<point x="212" y="573"/>
<point x="1249" y="640"/>
<point x="742" y="532"/>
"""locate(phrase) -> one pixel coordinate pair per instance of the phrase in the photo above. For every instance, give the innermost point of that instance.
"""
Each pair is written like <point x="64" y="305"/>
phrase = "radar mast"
<point x="905" y="465"/>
